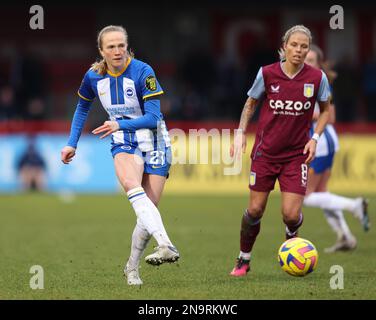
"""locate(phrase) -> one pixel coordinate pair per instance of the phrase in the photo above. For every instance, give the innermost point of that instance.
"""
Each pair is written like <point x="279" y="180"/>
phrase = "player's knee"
<point x="291" y="218"/>
<point x="256" y="211"/>
<point x="129" y="184"/>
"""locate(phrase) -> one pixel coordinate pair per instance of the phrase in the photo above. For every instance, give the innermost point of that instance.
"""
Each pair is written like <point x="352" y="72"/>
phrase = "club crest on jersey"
<point x="309" y="90"/>
<point x="274" y="89"/>
<point x="129" y="92"/>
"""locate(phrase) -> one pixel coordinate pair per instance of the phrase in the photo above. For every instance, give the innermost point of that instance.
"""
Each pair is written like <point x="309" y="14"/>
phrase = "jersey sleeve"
<point x="324" y="89"/>
<point x="258" y="87"/>
<point x="78" y="122"/>
<point x="149" y="120"/>
<point x="149" y="84"/>
<point x="86" y="91"/>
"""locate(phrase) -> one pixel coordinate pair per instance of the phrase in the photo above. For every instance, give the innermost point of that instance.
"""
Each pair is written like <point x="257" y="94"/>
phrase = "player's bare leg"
<point x="250" y="228"/>
<point x="292" y="213"/>
<point x="323" y="180"/>
<point x="153" y="186"/>
<point x="26" y="178"/>
<point x="39" y="179"/>
<point x="315" y="181"/>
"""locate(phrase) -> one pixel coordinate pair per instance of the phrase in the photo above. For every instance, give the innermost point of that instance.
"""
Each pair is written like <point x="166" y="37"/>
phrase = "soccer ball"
<point x="298" y="257"/>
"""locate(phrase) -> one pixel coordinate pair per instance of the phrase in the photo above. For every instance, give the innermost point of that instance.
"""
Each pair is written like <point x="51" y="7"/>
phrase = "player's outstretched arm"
<point x="240" y="141"/>
<point x="67" y="154"/>
<point x="78" y="122"/>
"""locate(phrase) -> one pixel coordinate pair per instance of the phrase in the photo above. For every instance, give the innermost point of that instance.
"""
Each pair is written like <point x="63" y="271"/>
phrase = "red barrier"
<point x="63" y="126"/>
<point x="33" y="127"/>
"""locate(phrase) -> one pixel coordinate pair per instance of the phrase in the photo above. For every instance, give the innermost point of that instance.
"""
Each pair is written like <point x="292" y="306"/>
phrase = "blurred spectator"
<point x="7" y="103"/>
<point x="261" y="54"/>
<point x="35" y="109"/>
<point x="217" y="51"/>
<point x="369" y="88"/>
<point x="171" y="101"/>
<point x="198" y="74"/>
<point x="229" y="97"/>
<point x="29" y="80"/>
<point x="346" y="89"/>
<point x="31" y="168"/>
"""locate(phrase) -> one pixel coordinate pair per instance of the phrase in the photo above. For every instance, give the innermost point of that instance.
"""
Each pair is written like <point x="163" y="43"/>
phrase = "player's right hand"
<point x="239" y="146"/>
<point x="67" y="154"/>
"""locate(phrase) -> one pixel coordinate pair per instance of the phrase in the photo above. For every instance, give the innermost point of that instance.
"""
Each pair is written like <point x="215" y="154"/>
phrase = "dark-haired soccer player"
<point x="283" y="148"/>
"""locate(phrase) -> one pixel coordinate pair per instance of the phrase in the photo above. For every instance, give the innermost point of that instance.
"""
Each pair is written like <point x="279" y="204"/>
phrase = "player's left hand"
<point x="108" y="127"/>
<point x="310" y="147"/>
<point x="239" y="146"/>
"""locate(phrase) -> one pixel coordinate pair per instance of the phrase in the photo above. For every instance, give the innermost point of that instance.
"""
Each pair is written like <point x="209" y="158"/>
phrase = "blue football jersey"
<point x="122" y="95"/>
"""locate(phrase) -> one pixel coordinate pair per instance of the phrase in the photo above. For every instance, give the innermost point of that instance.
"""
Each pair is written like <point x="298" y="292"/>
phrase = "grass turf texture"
<point x="82" y="245"/>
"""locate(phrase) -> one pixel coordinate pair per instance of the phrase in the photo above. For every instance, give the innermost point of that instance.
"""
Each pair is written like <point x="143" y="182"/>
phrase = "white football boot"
<point x="342" y="244"/>
<point x="133" y="277"/>
<point x="163" y="254"/>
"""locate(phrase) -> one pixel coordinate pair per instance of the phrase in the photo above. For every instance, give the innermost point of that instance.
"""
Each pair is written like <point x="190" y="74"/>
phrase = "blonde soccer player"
<point x="130" y="93"/>
<point x="283" y="148"/>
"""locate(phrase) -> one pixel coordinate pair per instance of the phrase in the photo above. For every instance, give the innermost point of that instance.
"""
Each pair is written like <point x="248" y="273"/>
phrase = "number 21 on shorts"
<point x="157" y="158"/>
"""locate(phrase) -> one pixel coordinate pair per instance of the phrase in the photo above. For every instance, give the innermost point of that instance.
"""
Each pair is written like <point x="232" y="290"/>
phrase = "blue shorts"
<point x="155" y="162"/>
<point x="320" y="164"/>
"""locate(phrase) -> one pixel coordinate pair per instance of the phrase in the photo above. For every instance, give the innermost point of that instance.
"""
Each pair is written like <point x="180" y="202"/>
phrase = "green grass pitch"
<point x="83" y="244"/>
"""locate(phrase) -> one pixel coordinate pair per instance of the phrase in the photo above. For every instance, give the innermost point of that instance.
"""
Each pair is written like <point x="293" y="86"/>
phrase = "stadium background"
<point x="205" y="58"/>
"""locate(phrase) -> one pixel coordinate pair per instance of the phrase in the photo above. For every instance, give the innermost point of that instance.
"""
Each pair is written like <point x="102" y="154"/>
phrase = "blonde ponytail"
<point x="99" y="67"/>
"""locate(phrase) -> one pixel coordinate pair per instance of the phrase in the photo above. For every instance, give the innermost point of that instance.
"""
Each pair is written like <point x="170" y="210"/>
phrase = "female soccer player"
<point x="129" y="92"/>
<point x="282" y="149"/>
<point x="320" y="169"/>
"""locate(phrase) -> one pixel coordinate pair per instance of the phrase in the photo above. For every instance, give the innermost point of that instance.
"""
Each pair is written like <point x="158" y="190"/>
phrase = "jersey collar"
<point x="294" y="75"/>
<point x="122" y="70"/>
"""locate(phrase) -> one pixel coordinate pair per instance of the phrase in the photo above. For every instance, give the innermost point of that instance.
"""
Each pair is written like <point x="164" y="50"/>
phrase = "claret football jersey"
<point x="287" y="109"/>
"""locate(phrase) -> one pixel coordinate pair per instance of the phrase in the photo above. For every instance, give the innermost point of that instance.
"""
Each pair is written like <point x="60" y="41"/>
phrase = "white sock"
<point x="338" y="223"/>
<point x="330" y="201"/>
<point x="161" y="226"/>
<point x="333" y="221"/>
<point x="140" y="239"/>
<point x="245" y="255"/>
<point x="149" y="215"/>
<point x="343" y="225"/>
